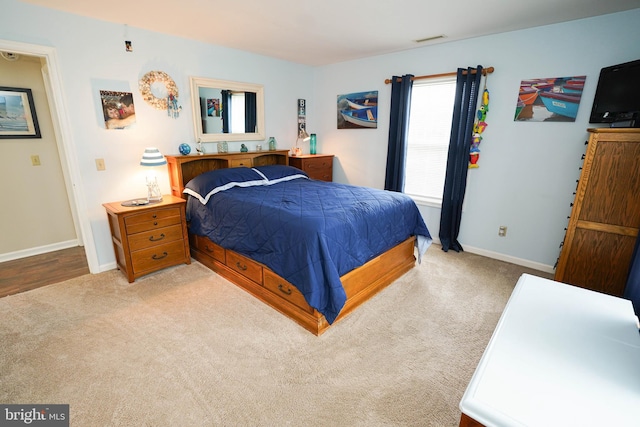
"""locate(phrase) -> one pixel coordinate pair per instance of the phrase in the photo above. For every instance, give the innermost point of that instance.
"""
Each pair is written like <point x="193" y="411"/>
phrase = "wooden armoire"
<point x="605" y="217"/>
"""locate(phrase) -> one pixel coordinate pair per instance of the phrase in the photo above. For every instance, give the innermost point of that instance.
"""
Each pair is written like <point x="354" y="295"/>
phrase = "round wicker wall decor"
<point x="145" y="86"/>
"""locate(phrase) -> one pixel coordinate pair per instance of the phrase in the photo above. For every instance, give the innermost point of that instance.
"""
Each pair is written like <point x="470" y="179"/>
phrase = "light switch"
<point x="100" y="164"/>
<point x="35" y="160"/>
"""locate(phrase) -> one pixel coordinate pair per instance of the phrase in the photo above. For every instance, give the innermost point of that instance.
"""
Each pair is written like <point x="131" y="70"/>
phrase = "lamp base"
<point x="153" y="191"/>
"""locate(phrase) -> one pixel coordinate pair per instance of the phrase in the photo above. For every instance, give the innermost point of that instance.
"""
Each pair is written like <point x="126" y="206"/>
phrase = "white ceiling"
<point x="322" y="32"/>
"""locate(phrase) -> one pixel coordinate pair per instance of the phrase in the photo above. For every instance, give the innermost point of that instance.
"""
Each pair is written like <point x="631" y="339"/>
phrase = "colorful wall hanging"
<point x="479" y="126"/>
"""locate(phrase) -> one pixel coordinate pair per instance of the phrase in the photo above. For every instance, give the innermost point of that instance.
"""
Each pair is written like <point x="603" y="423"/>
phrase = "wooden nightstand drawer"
<point x="285" y="290"/>
<point x="152" y="220"/>
<point x="157" y="257"/>
<point x="148" y="239"/>
<point x="248" y="268"/>
<point x="321" y="175"/>
<point x="317" y="166"/>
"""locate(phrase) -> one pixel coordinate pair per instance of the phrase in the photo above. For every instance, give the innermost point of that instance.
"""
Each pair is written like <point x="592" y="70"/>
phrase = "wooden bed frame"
<point x="257" y="279"/>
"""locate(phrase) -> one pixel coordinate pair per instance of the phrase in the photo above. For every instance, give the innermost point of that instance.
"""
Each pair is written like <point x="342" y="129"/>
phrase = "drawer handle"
<point x="154" y="216"/>
<point x="156" y="257"/>
<point x="208" y="248"/>
<point x="283" y="290"/>
<point x="153" y="239"/>
<point x="241" y="266"/>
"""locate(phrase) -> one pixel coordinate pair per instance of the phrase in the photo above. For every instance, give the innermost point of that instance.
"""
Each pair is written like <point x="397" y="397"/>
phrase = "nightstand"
<point x="150" y="237"/>
<point x="317" y="166"/>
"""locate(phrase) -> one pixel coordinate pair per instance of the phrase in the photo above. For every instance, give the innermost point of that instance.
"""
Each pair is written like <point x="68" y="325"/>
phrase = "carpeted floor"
<point x="184" y="347"/>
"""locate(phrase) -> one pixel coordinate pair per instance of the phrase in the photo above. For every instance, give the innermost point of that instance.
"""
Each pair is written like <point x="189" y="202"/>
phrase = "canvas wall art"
<point x="554" y="99"/>
<point x="118" y="109"/>
<point x="358" y="110"/>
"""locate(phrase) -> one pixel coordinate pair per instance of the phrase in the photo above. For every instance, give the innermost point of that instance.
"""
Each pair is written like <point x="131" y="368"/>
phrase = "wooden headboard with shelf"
<point x="184" y="168"/>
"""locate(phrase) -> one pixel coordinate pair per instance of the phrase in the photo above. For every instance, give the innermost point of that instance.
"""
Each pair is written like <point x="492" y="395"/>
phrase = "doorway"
<point x="66" y="151"/>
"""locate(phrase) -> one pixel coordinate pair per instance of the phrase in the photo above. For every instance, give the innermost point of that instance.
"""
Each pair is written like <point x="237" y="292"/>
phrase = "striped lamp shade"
<point x="152" y="157"/>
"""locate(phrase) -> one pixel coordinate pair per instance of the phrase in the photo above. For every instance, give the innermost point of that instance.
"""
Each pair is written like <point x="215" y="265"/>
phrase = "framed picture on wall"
<point x="358" y="110"/>
<point x="552" y="99"/>
<point x="17" y="114"/>
<point x="118" y="109"/>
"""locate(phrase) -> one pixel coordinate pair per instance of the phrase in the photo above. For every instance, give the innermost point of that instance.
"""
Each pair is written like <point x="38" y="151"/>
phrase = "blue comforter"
<point x="308" y="232"/>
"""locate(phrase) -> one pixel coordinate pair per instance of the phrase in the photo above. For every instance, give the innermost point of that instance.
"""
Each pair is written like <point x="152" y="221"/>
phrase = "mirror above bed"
<point x="225" y="110"/>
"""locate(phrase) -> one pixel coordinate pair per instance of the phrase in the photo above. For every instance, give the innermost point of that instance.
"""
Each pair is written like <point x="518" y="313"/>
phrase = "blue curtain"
<point x="398" y="131"/>
<point x="250" y="110"/>
<point x="632" y="289"/>
<point x="226" y="111"/>
<point x="455" y="182"/>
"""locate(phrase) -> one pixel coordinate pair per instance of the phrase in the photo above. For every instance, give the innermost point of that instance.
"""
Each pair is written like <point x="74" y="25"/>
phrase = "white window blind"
<point x="237" y="112"/>
<point x="428" y="142"/>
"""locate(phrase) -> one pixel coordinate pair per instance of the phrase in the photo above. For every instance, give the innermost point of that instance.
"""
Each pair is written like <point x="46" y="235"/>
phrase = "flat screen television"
<point x="617" y="99"/>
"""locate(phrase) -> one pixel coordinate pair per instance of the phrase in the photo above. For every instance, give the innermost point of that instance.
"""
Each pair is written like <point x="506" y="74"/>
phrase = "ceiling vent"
<point x="429" y="39"/>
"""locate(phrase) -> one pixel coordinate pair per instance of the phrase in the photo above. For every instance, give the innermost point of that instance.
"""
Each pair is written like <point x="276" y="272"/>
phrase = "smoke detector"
<point x="10" y="56"/>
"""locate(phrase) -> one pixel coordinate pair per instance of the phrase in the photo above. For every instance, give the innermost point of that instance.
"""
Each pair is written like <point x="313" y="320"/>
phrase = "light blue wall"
<point x="92" y="56"/>
<point x="527" y="170"/>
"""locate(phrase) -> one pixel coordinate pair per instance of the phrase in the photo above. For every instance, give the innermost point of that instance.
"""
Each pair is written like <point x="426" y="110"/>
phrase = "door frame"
<point x="64" y="140"/>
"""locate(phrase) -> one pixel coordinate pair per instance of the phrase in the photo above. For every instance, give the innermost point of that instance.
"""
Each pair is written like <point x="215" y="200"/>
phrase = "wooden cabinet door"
<point x="605" y="218"/>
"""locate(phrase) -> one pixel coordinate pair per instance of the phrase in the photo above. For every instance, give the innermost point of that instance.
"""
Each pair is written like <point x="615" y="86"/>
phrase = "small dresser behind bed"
<point x="257" y="279"/>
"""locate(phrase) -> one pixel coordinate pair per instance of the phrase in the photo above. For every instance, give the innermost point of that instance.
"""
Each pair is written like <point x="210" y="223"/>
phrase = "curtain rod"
<point x="485" y="71"/>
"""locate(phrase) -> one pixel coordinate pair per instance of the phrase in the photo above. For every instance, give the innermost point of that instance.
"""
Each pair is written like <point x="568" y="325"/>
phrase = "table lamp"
<point x="153" y="157"/>
<point x="304" y="136"/>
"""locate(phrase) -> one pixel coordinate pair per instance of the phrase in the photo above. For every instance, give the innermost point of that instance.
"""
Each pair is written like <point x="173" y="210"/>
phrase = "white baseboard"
<point x="106" y="267"/>
<point x="513" y="260"/>
<point x="39" y="250"/>
<point x="506" y="258"/>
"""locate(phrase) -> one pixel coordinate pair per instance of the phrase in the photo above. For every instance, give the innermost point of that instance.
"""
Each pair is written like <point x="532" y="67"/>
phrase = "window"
<point x="428" y="142"/>
<point x="237" y="112"/>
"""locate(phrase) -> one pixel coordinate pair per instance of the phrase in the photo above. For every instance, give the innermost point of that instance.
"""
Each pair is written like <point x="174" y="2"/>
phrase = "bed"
<point x="312" y="250"/>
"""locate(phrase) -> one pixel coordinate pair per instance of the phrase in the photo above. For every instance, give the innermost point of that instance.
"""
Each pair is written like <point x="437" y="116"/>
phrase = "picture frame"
<point x="358" y="110"/>
<point x="551" y="99"/>
<point x="18" y="117"/>
<point x="118" y="109"/>
<point x="213" y="107"/>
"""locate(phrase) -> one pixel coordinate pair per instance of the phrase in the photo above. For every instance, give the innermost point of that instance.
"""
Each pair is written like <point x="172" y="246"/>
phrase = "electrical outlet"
<point x="35" y="160"/>
<point x="100" y="164"/>
<point x="502" y="231"/>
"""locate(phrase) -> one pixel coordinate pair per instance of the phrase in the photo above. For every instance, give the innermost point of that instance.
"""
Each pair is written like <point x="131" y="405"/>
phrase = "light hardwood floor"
<point x="40" y="270"/>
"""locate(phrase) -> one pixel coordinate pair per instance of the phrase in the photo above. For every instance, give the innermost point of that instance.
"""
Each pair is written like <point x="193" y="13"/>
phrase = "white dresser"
<point x="559" y="356"/>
